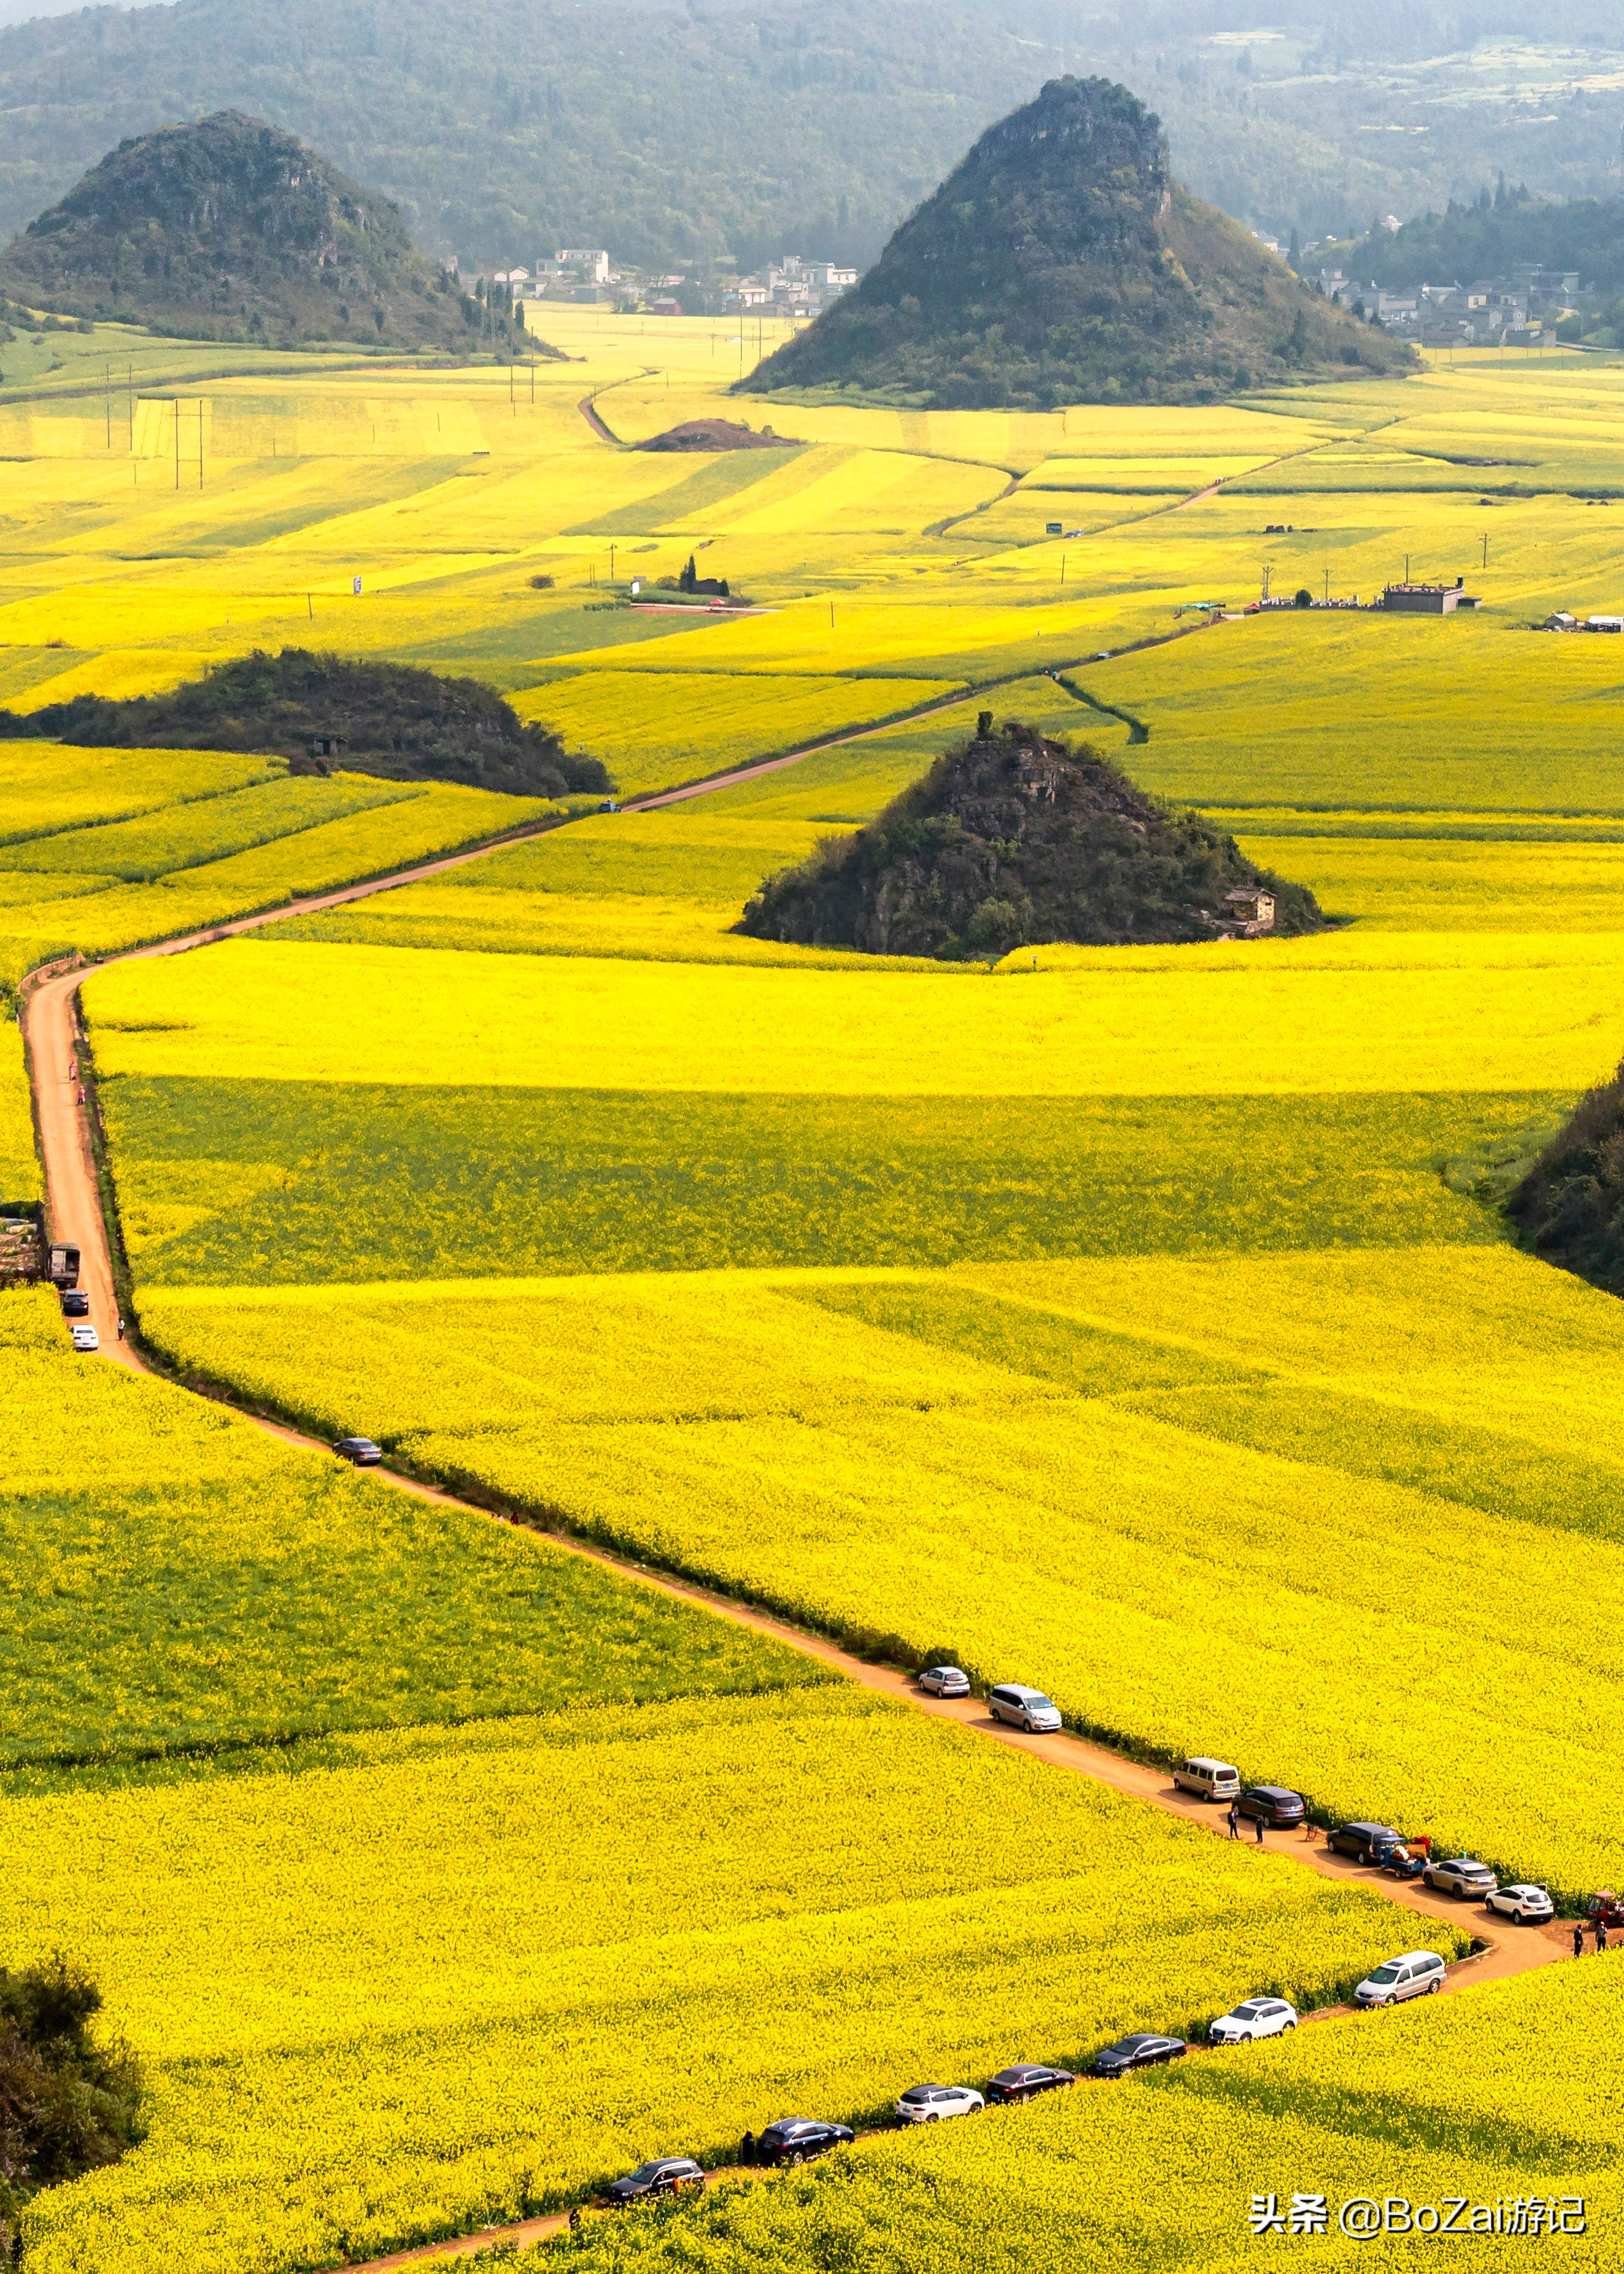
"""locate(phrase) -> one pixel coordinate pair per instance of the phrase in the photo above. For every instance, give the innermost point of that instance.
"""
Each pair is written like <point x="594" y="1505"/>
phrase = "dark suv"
<point x="794" y="2139"/>
<point x="1367" y="1844"/>
<point x="667" y="2175"/>
<point x="1026" y="2078"/>
<point x="1273" y="1804"/>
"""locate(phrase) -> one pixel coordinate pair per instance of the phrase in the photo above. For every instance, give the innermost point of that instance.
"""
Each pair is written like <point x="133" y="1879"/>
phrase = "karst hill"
<point x="1012" y="837"/>
<point x="1060" y="262"/>
<point x="230" y="230"/>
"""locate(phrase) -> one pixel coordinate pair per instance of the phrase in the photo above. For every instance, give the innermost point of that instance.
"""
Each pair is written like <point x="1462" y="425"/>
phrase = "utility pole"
<point x="1485" y="548"/>
<point x="1328" y="586"/>
<point x="611" y="564"/>
<point x="199" y="441"/>
<point x="1407" y="568"/>
<point x="177" y="441"/>
<point x="110" y="406"/>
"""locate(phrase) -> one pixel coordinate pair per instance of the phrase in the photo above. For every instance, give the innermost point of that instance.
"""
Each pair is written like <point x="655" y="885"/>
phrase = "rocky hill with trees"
<point x="384" y="718"/>
<point x="1014" y="838"/>
<point x="1060" y="262"/>
<point x="231" y="229"/>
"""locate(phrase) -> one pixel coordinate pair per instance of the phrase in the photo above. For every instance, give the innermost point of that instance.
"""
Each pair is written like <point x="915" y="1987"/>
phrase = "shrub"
<point x="67" y="2104"/>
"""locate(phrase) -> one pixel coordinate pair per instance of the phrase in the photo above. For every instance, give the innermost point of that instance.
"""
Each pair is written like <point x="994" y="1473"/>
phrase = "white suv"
<point x="1412" y="1975"/>
<point x="1255" y="2017"/>
<point x="1023" y="1708"/>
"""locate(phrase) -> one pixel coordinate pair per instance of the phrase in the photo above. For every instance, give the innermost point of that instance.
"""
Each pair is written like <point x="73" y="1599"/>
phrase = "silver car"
<point x="1412" y="1975"/>
<point x="929" y="2104"/>
<point x="1254" y="2017"/>
<point x="1459" y="1876"/>
<point x="1023" y="1708"/>
<point x="945" y="1682"/>
<point x="1526" y="1906"/>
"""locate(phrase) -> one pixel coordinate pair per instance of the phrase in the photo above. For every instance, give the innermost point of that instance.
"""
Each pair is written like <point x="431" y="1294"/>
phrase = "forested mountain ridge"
<point x="1060" y="262"/>
<point x="504" y="128"/>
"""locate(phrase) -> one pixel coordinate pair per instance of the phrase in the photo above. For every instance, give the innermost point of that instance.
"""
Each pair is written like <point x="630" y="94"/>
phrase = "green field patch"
<point x="376" y="1182"/>
<point x="708" y="484"/>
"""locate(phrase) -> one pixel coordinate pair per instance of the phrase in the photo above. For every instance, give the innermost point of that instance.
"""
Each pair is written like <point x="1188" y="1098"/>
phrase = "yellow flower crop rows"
<point x="20" y="1169"/>
<point x="1512" y="2093"/>
<point x="367" y="1995"/>
<point x="1158" y="1486"/>
<point x="44" y="789"/>
<point x="205" y="829"/>
<point x="653" y="730"/>
<point x="1415" y="1012"/>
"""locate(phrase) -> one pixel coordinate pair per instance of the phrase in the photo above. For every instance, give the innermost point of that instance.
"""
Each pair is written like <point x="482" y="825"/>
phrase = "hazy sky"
<point x="18" y="11"/>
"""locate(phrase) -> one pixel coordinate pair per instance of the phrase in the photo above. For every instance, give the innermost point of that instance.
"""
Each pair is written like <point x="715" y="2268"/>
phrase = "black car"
<point x="794" y="2139"/>
<point x="1138" y="2052"/>
<point x="1274" y="1805"/>
<point x="1367" y="1844"/>
<point x="360" y="1451"/>
<point x="75" y="1302"/>
<point x="1026" y="2078"/>
<point x="667" y="2175"/>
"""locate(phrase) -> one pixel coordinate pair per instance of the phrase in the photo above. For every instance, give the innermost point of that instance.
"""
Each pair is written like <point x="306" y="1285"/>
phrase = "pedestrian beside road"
<point x="1234" y="1821"/>
<point x="1257" y="1826"/>
<point x="747" y="2153"/>
<point x="1578" y="1938"/>
<point x="121" y="1327"/>
<point x="1601" y="1934"/>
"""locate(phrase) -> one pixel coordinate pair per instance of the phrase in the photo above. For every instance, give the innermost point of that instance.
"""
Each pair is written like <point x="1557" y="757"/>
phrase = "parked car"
<point x="360" y="1451"/>
<point x="945" y="1682"/>
<point x="1367" y="1844"/>
<point x="1459" y="1876"/>
<point x="1140" y="2051"/>
<point x="1024" y="2078"/>
<point x="1207" y="1779"/>
<point x="794" y="2139"/>
<point x="1022" y="1708"/>
<point x="1254" y="2017"/>
<point x="1275" y="1804"/>
<point x="1413" y="1976"/>
<point x="1526" y="1906"/>
<point x="75" y="1302"/>
<point x="667" y="2175"/>
<point x="86" y="1337"/>
<point x="929" y="2104"/>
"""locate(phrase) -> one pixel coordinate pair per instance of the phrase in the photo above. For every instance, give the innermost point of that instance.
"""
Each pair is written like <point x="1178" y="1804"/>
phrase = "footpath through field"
<point x="75" y="1212"/>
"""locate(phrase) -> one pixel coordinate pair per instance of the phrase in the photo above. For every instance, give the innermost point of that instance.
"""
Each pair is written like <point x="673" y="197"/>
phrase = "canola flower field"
<point x="1462" y="2115"/>
<point x="1108" y="1324"/>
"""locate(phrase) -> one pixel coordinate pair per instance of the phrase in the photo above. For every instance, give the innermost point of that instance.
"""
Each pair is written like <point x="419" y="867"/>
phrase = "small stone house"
<point x="1251" y="910"/>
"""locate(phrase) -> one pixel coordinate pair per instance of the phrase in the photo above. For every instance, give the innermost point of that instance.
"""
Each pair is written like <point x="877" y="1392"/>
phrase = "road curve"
<point x="74" y="1211"/>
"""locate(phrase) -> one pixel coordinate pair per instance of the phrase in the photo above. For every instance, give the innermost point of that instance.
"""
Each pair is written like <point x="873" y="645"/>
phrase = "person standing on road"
<point x="1257" y="1826"/>
<point x="1601" y="1934"/>
<point x="1578" y="1938"/>
<point x="747" y="2153"/>
<point x="121" y="1326"/>
<point x="1235" y="1820"/>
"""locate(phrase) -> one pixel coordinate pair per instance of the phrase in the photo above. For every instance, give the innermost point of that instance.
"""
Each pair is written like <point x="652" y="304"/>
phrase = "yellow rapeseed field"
<point x="1416" y="1011"/>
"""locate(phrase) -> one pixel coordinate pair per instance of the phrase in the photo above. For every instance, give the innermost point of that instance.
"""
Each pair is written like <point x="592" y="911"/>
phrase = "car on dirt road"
<point x="1276" y="1805"/>
<point x="1253" y="2017"/>
<point x="359" y="1451"/>
<point x="1367" y="1844"/>
<point x="667" y="2175"/>
<point x="1143" y="2050"/>
<point x="797" y="2139"/>
<point x="1023" y="2079"/>
<point x="86" y="1337"/>
<point x="945" y="1682"/>
<point x="75" y="1302"/>
<point x="1021" y="1708"/>
<point x="1524" y="1905"/>
<point x="929" y="2104"/>
<point x="1416" y="1975"/>
<point x="1459" y="1876"/>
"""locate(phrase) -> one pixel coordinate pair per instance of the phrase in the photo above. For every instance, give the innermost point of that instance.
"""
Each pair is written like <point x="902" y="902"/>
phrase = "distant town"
<point x="1520" y="309"/>
<point x="792" y="286"/>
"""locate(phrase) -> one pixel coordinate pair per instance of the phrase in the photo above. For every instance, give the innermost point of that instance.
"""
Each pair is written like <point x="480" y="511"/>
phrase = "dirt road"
<point x="74" y="1212"/>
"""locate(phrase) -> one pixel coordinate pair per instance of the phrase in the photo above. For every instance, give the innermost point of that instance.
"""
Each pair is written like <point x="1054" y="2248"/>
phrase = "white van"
<point x="1413" y="1976"/>
<point x="1208" y="1780"/>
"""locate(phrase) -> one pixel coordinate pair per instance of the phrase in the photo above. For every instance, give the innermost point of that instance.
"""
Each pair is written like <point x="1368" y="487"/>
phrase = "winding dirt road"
<point x="74" y="1212"/>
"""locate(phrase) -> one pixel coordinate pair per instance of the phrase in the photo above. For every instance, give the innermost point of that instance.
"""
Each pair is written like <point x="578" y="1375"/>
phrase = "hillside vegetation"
<point x="389" y="719"/>
<point x="1013" y="838"/>
<point x="1060" y="263"/>
<point x="507" y="127"/>
<point x="230" y="230"/>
